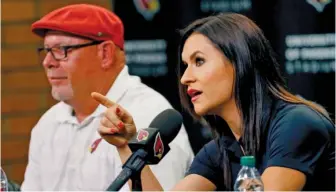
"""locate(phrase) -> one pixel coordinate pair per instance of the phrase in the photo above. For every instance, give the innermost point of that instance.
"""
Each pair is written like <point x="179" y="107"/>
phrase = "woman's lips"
<point x="194" y="94"/>
<point x="194" y="98"/>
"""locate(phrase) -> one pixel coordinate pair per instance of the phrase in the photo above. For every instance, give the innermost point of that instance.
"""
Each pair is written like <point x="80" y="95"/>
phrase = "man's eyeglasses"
<point x="61" y="52"/>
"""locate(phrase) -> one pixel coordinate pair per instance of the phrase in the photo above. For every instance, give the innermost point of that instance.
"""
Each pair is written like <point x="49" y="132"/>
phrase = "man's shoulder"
<point x="55" y="110"/>
<point x="145" y="94"/>
<point x="140" y="100"/>
<point x="52" y="114"/>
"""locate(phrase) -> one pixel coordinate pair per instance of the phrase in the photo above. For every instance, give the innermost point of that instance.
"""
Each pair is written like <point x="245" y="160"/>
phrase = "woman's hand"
<point x="116" y="126"/>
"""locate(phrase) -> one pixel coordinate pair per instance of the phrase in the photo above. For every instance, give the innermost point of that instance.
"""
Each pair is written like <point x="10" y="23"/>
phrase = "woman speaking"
<point x="229" y="77"/>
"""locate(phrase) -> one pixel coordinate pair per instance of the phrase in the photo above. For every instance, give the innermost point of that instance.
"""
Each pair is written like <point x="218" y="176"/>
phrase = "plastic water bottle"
<point x="4" y="181"/>
<point x="248" y="178"/>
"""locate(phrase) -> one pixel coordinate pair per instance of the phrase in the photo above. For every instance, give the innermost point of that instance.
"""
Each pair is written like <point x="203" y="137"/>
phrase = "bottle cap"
<point x="247" y="161"/>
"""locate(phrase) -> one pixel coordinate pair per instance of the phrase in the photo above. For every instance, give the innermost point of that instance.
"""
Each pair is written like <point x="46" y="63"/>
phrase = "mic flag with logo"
<point x="142" y="135"/>
<point x="158" y="147"/>
<point x="151" y="141"/>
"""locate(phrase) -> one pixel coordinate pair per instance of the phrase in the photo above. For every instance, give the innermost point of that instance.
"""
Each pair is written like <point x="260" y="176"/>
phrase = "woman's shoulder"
<point x="214" y="145"/>
<point x="208" y="163"/>
<point x="300" y="112"/>
<point x="209" y="148"/>
<point x="211" y="151"/>
<point x="289" y="115"/>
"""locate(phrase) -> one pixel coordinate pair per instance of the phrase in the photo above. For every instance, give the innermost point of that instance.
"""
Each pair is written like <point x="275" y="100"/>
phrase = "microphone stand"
<point x="131" y="170"/>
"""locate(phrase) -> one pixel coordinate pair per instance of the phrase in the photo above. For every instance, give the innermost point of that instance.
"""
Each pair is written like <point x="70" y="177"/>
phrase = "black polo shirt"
<point x="297" y="137"/>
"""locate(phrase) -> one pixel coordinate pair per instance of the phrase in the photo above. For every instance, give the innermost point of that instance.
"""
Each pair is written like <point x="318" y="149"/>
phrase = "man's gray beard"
<point x="62" y="94"/>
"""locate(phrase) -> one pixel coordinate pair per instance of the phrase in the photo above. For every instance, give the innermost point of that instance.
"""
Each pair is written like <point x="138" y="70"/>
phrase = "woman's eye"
<point x="199" y="61"/>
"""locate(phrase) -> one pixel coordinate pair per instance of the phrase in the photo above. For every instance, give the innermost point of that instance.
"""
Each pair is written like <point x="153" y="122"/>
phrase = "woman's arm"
<point x="297" y="143"/>
<point x="283" y="179"/>
<point x="117" y="127"/>
<point x="194" y="182"/>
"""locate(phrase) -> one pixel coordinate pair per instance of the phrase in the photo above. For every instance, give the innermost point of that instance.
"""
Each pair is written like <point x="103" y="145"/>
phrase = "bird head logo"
<point x="142" y="135"/>
<point x="158" y="147"/>
<point x="147" y="8"/>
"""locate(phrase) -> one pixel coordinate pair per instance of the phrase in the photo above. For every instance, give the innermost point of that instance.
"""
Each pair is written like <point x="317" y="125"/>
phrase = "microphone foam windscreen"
<point x="169" y="123"/>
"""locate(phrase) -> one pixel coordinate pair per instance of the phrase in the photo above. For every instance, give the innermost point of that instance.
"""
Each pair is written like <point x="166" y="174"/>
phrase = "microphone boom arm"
<point x="131" y="170"/>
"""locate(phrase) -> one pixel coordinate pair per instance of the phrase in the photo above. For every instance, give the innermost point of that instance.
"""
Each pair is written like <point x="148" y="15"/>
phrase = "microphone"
<point x="149" y="146"/>
<point x="154" y="140"/>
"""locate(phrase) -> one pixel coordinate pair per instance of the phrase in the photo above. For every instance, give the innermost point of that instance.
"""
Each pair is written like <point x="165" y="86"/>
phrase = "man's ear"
<point x="106" y="52"/>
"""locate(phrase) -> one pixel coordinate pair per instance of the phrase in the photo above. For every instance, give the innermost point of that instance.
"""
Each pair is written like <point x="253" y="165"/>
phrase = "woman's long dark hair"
<point x="257" y="76"/>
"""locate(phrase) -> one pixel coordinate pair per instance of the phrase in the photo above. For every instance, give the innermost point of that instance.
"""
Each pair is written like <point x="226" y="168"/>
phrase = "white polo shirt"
<point x="59" y="151"/>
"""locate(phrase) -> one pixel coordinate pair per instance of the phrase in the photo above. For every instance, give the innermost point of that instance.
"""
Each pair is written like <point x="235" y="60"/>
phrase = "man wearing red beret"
<point x="83" y="53"/>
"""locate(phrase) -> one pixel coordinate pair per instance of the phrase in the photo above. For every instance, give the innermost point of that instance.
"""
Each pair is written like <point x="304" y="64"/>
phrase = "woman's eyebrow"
<point x="192" y="56"/>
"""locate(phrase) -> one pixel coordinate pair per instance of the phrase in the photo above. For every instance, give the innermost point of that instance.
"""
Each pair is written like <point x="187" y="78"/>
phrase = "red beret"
<point x="84" y="20"/>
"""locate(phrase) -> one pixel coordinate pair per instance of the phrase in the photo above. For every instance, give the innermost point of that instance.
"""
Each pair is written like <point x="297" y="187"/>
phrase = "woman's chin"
<point x="200" y="111"/>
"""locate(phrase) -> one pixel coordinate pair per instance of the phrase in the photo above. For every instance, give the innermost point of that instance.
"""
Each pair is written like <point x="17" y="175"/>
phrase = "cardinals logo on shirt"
<point x="319" y="4"/>
<point x="147" y="8"/>
<point x="94" y="145"/>
<point x="142" y="135"/>
<point x="158" y="146"/>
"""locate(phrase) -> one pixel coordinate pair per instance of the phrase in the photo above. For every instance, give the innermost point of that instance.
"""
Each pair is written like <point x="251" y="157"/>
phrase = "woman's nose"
<point x="187" y="77"/>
